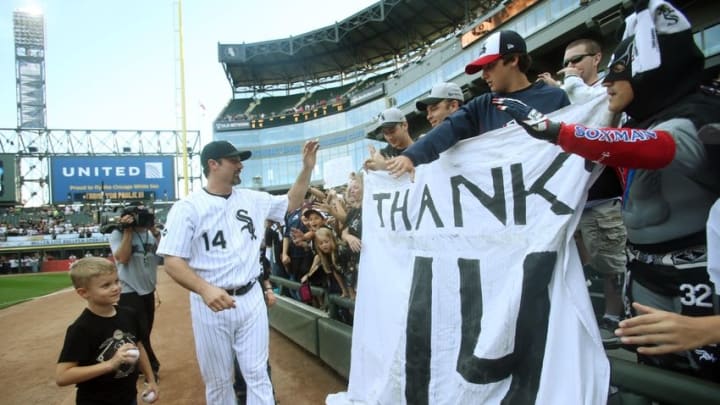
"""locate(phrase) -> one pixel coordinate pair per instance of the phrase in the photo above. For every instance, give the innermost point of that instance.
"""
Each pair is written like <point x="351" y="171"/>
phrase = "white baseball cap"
<point x="391" y="117"/>
<point x="387" y="119"/>
<point x="440" y="92"/>
<point x="497" y="45"/>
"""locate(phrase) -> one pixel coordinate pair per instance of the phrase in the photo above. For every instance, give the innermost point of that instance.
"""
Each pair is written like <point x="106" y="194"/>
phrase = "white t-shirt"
<point x="579" y="92"/>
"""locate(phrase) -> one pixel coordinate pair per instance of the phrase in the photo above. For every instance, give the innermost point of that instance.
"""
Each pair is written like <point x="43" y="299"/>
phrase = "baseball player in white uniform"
<point x="211" y="243"/>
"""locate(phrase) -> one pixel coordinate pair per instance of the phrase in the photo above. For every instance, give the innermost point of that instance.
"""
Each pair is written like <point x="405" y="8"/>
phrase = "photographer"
<point x="133" y="245"/>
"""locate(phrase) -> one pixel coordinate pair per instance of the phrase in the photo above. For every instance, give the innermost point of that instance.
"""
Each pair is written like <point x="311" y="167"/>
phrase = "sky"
<point x="113" y="64"/>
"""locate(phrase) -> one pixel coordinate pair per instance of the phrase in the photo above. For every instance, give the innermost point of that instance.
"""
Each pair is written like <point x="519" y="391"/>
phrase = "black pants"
<point x="144" y="305"/>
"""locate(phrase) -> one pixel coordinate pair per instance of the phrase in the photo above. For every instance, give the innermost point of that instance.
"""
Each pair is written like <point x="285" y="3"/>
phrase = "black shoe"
<point x="607" y="333"/>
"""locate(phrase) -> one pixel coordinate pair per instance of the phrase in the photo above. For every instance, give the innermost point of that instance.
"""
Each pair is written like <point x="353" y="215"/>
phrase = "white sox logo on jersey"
<point x="241" y="215"/>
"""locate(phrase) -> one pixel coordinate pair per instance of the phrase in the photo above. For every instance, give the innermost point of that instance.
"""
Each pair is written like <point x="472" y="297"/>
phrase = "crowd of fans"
<point x="319" y="244"/>
<point x="17" y="224"/>
<point x="47" y="220"/>
<point x="311" y="107"/>
<point x="20" y="264"/>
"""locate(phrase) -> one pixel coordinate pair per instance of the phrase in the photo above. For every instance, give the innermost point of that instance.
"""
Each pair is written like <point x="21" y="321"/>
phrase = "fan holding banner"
<point x="670" y="185"/>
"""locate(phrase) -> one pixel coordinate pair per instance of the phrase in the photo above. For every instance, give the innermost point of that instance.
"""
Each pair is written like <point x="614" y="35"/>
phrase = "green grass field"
<point x="18" y="288"/>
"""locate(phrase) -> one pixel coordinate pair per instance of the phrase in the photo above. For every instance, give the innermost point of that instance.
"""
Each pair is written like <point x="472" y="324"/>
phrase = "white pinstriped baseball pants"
<point x="243" y="330"/>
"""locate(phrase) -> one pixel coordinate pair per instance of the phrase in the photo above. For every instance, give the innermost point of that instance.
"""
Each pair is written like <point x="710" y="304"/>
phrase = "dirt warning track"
<point x="32" y="335"/>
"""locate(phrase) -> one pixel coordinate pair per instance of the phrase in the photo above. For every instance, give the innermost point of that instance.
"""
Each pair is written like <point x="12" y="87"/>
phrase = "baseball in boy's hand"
<point x="134" y="353"/>
<point x="148" y="396"/>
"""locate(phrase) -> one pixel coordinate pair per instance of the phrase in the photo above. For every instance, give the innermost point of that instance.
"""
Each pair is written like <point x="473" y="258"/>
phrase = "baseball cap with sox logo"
<point x="496" y="46"/>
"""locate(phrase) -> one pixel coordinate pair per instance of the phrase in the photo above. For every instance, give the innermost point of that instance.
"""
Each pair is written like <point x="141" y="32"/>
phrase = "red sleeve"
<point x="619" y="147"/>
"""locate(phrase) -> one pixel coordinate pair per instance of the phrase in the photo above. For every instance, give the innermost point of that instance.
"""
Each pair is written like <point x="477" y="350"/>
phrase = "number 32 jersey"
<point x="220" y="236"/>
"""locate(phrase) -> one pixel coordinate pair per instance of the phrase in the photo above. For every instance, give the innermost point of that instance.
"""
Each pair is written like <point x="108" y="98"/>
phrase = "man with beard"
<point x="211" y="243"/>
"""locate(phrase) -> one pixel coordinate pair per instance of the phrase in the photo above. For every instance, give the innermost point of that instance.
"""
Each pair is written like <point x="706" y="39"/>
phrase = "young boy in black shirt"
<point x="101" y="353"/>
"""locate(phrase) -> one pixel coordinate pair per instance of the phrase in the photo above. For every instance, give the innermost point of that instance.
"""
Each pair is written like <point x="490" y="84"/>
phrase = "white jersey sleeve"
<point x="178" y="230"/>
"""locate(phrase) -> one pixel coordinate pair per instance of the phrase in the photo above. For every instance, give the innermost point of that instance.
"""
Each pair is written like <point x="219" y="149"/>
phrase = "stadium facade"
<point x="275" y="108"/>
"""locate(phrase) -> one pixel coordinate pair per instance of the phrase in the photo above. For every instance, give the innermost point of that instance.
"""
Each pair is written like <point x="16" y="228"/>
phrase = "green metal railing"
<point x="652" y="383"/>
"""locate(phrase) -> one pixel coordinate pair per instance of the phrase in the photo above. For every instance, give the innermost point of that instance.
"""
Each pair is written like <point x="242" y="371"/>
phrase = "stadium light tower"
<point x="29" y="30"/>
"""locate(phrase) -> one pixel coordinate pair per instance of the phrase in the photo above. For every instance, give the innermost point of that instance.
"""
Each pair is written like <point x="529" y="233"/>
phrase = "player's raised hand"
<point x="217" y="299"/>
<point x="400" y="165"/>
<point x="310" y="153"/>
<point x="535" y="123"/>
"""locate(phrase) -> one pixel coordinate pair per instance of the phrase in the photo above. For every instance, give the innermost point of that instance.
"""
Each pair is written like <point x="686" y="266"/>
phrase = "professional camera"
<point x="142" y="217"/>
<point x="110" y="220"/>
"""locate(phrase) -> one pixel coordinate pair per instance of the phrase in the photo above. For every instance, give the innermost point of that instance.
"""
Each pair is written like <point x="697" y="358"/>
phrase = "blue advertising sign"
<point x="91" y="178"/>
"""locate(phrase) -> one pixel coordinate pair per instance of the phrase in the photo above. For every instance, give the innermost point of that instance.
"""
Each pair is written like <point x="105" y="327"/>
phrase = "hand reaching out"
<point x="661" y="332"/>
<point x="376" y="161"/>
<point x="328" y="207"/>
<point x="309" y="153"/>
<point x="534" y="122"/>
<point x="353" y="242"/>
<point x="548" y="79"/>
<point x="400" y="165"/>
<point x="297" y="235"/>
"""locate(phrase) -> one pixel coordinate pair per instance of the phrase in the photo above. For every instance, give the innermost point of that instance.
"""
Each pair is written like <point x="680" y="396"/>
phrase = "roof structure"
<point x="378" y="35"/>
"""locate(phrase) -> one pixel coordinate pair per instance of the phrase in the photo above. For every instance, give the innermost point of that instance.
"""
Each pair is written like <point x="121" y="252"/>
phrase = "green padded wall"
<point x="335" y="341"/>
<point x="296" y="321"/>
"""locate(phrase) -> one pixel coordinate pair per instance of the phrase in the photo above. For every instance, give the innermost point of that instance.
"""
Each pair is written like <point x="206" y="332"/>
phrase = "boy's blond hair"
<point x="83" y="270"/>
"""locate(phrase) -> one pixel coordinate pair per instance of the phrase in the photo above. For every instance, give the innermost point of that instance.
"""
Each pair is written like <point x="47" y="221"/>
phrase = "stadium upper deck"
<point x="380" y="34"/>
<point x="342" y="60"/>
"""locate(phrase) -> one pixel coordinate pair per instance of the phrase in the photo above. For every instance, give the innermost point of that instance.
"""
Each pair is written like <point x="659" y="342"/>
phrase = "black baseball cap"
<point x="217" y="150"/>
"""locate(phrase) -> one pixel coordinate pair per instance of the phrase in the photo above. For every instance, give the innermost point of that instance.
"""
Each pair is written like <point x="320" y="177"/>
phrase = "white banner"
<point x="470" y="288"/>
